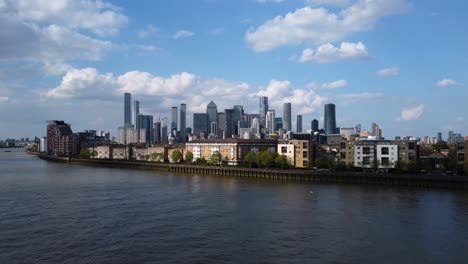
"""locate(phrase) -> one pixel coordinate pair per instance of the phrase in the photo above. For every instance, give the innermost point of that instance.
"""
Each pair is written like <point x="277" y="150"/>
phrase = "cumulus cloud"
<point x="144" y="83"/>
<point x="183" y="34"/>
<point x="448" y="83"/>
<point x="335" y="85"/>
<point x="336" y="3"/>
<point x="412" y="113"/>
<point x="394" y="71"/>
<point x="84" y="84"/>
<point x="319" y="26"/>
<point x="328" y="53"/>
<point x="148" y="30"/>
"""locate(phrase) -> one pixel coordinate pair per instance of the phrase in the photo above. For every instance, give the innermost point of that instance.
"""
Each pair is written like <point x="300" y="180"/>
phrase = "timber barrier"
<point x="411" y="180"/>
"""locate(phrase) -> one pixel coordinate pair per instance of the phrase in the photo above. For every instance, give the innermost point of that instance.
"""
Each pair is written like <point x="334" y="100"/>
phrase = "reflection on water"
<point x="56" y="213"/>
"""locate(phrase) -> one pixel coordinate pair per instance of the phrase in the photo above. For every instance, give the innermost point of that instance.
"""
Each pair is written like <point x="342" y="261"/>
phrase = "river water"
<point x="60" y="213"/>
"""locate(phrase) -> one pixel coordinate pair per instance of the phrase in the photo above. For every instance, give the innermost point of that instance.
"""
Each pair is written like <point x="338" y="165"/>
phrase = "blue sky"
<point x="402" y="64"/>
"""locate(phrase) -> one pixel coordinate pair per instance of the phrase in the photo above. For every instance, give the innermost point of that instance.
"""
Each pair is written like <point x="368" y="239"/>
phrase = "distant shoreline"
<point x="389" y="179"/>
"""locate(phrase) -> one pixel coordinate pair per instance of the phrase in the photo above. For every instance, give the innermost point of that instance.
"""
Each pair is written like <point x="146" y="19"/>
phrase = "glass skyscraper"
<point x="287" y="116"/>
<point x="183" y="122"/>
<point x="127" y="109"/>
<point x="330" y="119"/>
<point x="299" y="123"/>
<point x="263" y="109"/>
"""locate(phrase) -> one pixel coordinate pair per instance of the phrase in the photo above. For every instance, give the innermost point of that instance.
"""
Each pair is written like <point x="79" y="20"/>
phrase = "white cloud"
<point x="144" y="83"/>
<point x="319" y="26"/>
<point x="269" y="1"/>
<point x="335" y="85"/>
<point x="147" y="48"/>
<point x="85" y="84"/>
<point x="4" y="99"/>
<point x="183" y="34"/>
<point x="394" y="71"/>
<point x="99" y="17"/>
<point x="56" y="68"/>
<point x="275" y="89"/>
<point x="336" y="3"/>
<point x="328" y="53"/>
<point x="148" y="30"/>
<point x="412" y="113"/>
<point x="359" y="97"/>
<point x="448" y="83"/>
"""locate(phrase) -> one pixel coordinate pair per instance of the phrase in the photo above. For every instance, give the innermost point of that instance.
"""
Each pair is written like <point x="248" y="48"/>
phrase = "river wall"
<point x="414" y="180"/>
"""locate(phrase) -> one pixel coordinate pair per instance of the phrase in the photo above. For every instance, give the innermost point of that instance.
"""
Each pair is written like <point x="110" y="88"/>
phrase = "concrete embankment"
<point x="429" y="181"/>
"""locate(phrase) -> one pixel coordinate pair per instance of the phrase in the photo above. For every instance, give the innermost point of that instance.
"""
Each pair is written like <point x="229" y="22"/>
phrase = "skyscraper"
<point x="263" y="108"/>
<point x="330" y="119"/>
<point x="270" y="121"/>
<point x="376" y="131"/>
<point x="164" y="130"/>
<point x="146" y="124"/>
<point x="136" y="112"/>
<point x="299" y="123"/>
<point x="287" y="116"/>
<point x="157" y="131"/>
<point x="221" y="125"/>
<point x="183" y="124"/>
<point x="127" y="109"/>
<point x="237" y="116"/>
<point x="212" y="111"/>
<point x="200" y="124"/>
<point x="229" y="128"/>
<point x="358" y="128"/>
<point x="439" y="137"/>
<point x="315" y="125"/>
<point x="174" y="119"/>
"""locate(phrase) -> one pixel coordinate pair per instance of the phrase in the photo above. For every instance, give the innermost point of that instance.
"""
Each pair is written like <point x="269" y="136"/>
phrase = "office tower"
<point x="358" y="128"/>
<point x="299" y="123"/>
<point x="450" y="137"/>
<point x="221" y="125"/>
<point x="229" y="128"/>
<point x="256" y="126"/>
<point x="157" y="131"/>
<point x="315" y="125"/>
<point x="376" y="131"/>
<point x="136" y="112"/>
<point x="121" y="136"/>
<point x="263" y="109"/>
<point x="164" y="131"/>
<point x="287" y="116"/>
<point x="270" y="121"/>
<point x="183" y="124"/>
<point x="212" y="111"/>
<point x="127" y="109"/>
<point x="174" y="119"/>
<point x="278" y="123"/>
<point x="330" y="119"/>
<point x="214" y="129"/>
<point x="439" y="137"/>
<point x="200" y="124"/>
<point x="237" y="116"/>
<point x="146" y="124"/>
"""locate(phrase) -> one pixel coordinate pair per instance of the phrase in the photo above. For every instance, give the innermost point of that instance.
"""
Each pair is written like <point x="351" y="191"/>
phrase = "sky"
<point x="401" y="64"/>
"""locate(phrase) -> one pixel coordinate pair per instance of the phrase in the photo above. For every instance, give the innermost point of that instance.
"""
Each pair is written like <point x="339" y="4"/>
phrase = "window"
<point x="461" y="147"/>
<point x="304" y="154"/>
<point x="343" y="145"/>
<point x="284" y="150"/>
<point x="384" y="151"/>
<point x="411" y="145"/>
<point x="304" y="144"/>
<point x="304" y="163"/>
<point x="412" y="156"/>
<point x="343" y="155"/>
<point x="461" y="156"/>
<point x="366" y="150"/>
<point x="366" y="161"/>
<point x="385" y="161"/>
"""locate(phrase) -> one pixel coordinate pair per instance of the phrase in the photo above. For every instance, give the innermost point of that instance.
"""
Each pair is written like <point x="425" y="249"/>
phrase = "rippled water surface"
<point x="59" y="213"/>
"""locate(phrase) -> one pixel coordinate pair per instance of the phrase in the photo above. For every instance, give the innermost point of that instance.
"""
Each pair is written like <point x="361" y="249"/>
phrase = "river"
<point x="61" y="213"/>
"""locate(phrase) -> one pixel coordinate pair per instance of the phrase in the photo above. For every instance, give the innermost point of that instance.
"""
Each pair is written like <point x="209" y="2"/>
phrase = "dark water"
<point x="58" y="213"/>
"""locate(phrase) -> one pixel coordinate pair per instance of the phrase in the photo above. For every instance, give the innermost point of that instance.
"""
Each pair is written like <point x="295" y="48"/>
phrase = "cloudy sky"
<point x="401" y="64"/>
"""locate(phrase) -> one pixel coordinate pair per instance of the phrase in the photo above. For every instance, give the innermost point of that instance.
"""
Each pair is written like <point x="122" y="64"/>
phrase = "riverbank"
<point x="413" y="180"/>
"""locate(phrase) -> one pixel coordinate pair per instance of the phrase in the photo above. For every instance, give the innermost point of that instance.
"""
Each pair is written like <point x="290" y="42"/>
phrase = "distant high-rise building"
<point x="287" y="116"/>
<point x="314" y="125"/>
<point x="214" y="129"/>
<point x="174" y="118"/>
<point x="256" y="126"/>
<point x="358" y="128"/>
<point x="164" y="138"/>
<point x="136" y="112"/>
<point x="330" y="119"/>
<point x="236" y="117"/>
<point x="127" y="109"/>
<point x="157" y="131"/>
<point x="222" y="126"/>
<point x="299" y="123"/>
<point x="376" y="131"/>
<point x="183" y="122"/>
<point x="229" y="128"/>
<point x="263" y="109"/>
<point x="278" y="123"/>
<point x="212" y="111"/>
<point x="439" y="137"/>
<point x="450" y="137"/>
<point x="270" y="121"/>
<point x="146" y="124"/>
<point x="200" y="124"/>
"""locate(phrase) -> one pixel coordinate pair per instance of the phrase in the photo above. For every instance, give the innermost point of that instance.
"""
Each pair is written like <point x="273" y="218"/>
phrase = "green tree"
<point x="400" y="166"/>
<point x="189" y="157"/>
<point x="340" y="166"/>
<point x="216" y="158"/>
<point x="84" y="154"/>
<point x="439" y="146"/>
<point x="282" y="161"/>
<point x="450" y="162"/>
<point x="267" y="158"/>
<point x="251" y="159"/>
<point x="176" y="156"/>
<point x="412" y="166"/>
<point x="202" y="161"/>
<point x="375" y="165"/>
<point x="323" y="162"/>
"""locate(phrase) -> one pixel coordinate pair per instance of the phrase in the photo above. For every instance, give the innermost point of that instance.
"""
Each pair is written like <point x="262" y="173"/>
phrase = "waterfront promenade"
<point x="413" y="180"/>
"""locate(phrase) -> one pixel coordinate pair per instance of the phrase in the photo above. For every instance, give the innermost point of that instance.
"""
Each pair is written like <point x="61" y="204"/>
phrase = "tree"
<point x="439" y="146"/>
<point x="282" y="161"/>
<point x="340" y="166"/>
<point x="450" y="163"/>
<point x="267" y="158"/>
<point x="201" y="161"/>
<point x="323" y="162"/>
<point x="400" y="166"/>
<point x="216" y="158"/>
<point x="251" y="159"/>
<point x="189" y="157"/>
<point x="375" y="165"/>
<point x="84" y="154"/>
<point x="412" y="166"/>
<point x="176" y="156"/>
